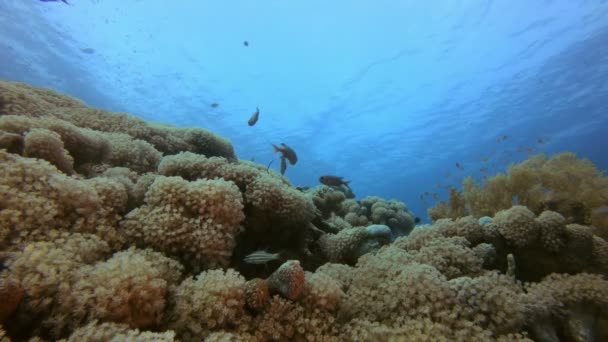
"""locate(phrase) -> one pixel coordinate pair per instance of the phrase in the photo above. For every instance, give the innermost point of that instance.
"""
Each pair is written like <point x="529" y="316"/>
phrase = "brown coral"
<point x="11" y="294"/>
<point x="517" y="225"/>
<point x="36" y="199"/>
<point x="131" y="287"/>
<point x="22" y="99"/>
<point x="47" y="272"/>
<point x="44" y="144"/>
<point x="196" y="221"/>
<point x="101" y="332"/>
<point x="12" y="143"/>
<point x="214" y="300"/>
<point x="287" y="280"/>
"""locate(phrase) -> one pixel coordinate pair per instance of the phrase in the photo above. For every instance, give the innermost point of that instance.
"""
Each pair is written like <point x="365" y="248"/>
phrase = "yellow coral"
<point x="563" y="183"/>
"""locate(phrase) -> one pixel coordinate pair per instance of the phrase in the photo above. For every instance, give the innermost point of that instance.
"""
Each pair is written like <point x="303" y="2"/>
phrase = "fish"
<point x="459" y="166"/>
<point x="246" y="43"/>
<point x="254" y="117"/>
<point x="64" y="1"/>
<point x="215" y="105"/>
<point x="333" y="180"/>
<point x="502" y="138"/>
<point x="89" y="51"/>
<point x="268" y="166"/>
<point x="261" y="257"/>
<point x="287" y="152"/>
<point x="417" y="219"/>
<point x="283" y="166"/>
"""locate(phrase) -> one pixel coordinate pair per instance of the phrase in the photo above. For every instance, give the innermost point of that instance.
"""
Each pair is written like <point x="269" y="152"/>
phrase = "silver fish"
<point x="261" y="257"/>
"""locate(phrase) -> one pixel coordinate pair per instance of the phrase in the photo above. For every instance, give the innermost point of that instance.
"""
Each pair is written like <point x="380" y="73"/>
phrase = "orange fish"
<point x="254" y="117"/>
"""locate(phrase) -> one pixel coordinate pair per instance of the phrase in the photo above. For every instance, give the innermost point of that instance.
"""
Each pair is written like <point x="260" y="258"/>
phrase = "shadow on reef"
<point x="115" y="228"/>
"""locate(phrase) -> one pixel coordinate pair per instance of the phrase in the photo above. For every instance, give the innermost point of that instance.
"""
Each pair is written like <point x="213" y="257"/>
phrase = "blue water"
<point x="388" y="94"/>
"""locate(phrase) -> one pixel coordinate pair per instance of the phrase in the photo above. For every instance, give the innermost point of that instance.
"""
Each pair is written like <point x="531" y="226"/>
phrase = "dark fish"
<point x="215" y="105"/>
<point x="89" y="51"/>
<point x="254" y="117"/>
<point x="333" y="180"/>
<point x="246" y="43"/>
<point x="64" y="1"/>
<point x="287" y="152"/>
<point x="459" y="166"/>
<point x="283" y="165"/>
<point x="417" y="219"/>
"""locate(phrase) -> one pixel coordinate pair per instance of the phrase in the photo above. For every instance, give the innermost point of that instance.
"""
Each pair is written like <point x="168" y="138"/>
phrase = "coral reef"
<point x="563" y="183"/>
<point x="194" y="221"/>
<point x="112" y="228"/>
<point x="375" y="210"/>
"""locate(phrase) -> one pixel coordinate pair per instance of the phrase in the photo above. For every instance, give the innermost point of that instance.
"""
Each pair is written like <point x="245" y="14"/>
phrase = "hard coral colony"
<point x="112" y="228"/>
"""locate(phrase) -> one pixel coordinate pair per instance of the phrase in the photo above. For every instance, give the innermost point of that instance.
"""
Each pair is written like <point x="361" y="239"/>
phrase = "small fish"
<point x="64" y="1"/>
<point x="254" y="117"/>
<point x="283" y="166"/>
<point x="89" y="51"/>
<point x="485" y="159"/>
<point x="246" y="43"/>
<point x="287" y="152"/>
<point x="459" y="166"/>
<point x="483" y="169"/>
<point x="215" y="105"/>
<point x="333" y="180"/>
<point x="261" y="257"/>
<point x="268" y="166"/>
